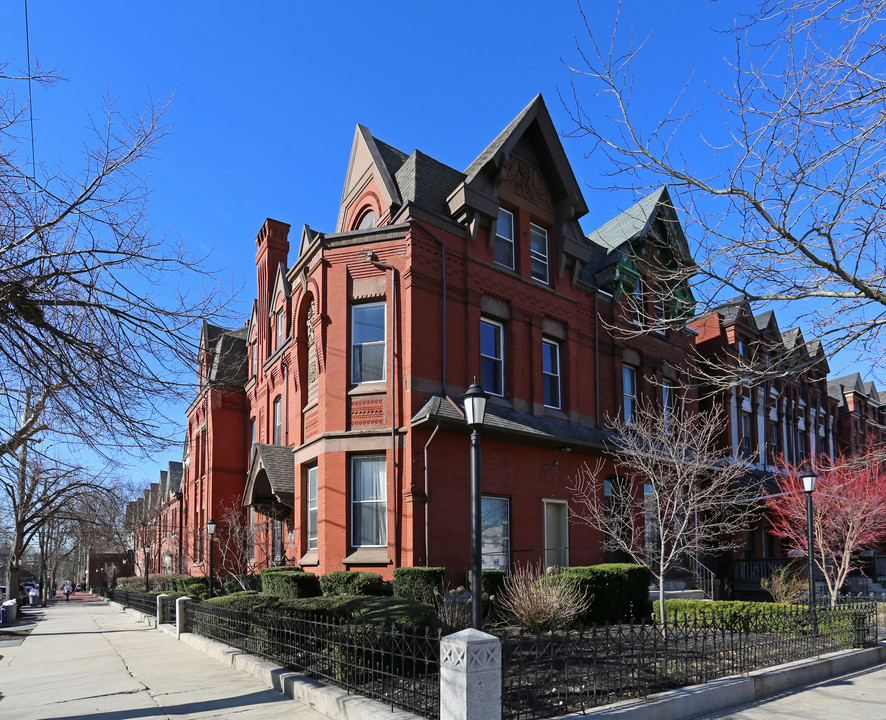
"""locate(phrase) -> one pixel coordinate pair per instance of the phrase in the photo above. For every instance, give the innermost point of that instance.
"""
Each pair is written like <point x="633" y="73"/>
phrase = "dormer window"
<point x="367" y="220"/>
<point x="504" y="239"/>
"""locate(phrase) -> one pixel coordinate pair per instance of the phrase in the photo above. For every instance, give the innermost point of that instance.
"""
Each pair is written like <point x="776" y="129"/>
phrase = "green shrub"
<point x="248" y="601"/>
<point x="619" y="591"/>
<point x="418" y="583"/>
<point x="292" y="584"/>
<point x="239" y="583"/>
<point x="492" y="582"/>
<point x="344" y="582"/>
<point x="199" y="589"/>
<point x="737" y="616"/>
<point x="362" y="608"/>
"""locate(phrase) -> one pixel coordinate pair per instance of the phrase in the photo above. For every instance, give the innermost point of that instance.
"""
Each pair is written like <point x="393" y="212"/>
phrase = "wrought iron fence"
<point x="388" y="663"/>
<point x="556" y="673"/>
<point x="143" y="602"/>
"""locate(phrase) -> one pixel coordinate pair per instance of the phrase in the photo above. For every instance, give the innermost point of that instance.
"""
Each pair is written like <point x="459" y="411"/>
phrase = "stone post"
<point x="181" y="615"/>
<point x="470" y="676"/>
<point x="161" y="609"/>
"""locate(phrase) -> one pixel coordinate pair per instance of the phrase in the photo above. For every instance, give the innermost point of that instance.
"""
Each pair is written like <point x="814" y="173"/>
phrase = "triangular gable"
<point x="251" y="325"/>
<point x="270" y="483"/>
<point x="308" y="237"/>
<point x="281" y="285"/>
<point x="366" y="162"/>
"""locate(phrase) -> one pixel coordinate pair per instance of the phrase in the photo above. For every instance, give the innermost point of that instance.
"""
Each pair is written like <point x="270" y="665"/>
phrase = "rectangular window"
<point x="550" y="361"/>
<point x="801" y="446"/>
<point x="367" y="343"/>
<point x="250" y="536"/>
<point x="495" y="515"/>
<point x="254" y="358"/>
<point x="668" y="394"/>
<point x="311" y="503"/>
<point x="629" y="392"/>
<point x="538" y="252"/>
<point x="277" y="539"/>
<point x="251" y="434"/>
<point x="369" y="507"/>
<point x="773" y="439"/>
<point x="278" y="421"/>
<point x="492" y="357"/>
<point x="281" y="327"/>
<point x="639" y="302"/>
<point x="747" y="435"/>
<point x="504" y="239"/>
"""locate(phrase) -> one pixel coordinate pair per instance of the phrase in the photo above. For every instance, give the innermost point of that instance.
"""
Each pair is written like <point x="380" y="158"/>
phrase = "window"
<point x="495" y="534"/>
<point x="311" y="506"/>
<point x="550" y="361"/>
<point x="252" y="427"/>
<point x="801" y="446"/>
<point x="773" y="438"/>
<point x="254" y="357"/>
<point x="277" y="539"/>
<point x="504" y="239"/>
<point x="538" y="252"/>
<point x="640" y="303"/>
<point x="629" y="391"/>
<point x="278" y="421"/>
<point x="281" y="327"/>
<point x="369" y="501"/>
<point x="492" y="357"/>
<point x="250" y="535"/>
<point x="667" y="400"/>
<point x="651" y="535"/>
<point x="368" y="343"/>
<point x="660" y="308"/>
<point x="747" y="435"/>
<point x="367" y="220"/>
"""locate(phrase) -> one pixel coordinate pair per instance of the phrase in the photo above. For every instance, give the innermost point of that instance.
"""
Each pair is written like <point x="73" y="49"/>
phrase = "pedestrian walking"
<point x="68" y="590"/>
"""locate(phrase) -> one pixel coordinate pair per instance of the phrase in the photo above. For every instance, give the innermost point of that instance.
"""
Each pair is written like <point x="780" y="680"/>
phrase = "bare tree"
<point x="235" y="546"/>
<point x="94" y="308"/>
<point x="785" y="185"/>
<point x="674" y="494"/>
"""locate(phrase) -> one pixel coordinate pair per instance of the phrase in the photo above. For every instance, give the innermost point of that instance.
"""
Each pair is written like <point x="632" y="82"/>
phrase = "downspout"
<point x="596" y="360"/>
<point x="393" y="311"/>
<point x="427" y="499"/>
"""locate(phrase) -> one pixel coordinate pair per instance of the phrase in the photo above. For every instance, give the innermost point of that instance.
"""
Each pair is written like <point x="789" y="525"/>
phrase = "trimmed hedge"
<point x="417" y="584"/>
<point x="620" y="591"/>
<point x="492" y="582"/>
<point x="248" y="601"/>
<point x="289" y="583"/>
<point x="364" y="608"/>
<point x="344" y="582"/>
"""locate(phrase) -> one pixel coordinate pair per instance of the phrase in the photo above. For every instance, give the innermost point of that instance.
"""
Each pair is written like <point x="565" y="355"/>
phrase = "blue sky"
<point x="266" y="96"/>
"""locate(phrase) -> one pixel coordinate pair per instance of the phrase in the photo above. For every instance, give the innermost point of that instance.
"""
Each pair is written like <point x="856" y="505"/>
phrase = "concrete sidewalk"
<point x="85" y="659"/>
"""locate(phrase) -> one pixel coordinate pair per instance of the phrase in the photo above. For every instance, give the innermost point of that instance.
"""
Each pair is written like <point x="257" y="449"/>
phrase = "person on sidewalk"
<point x="67" y="591"/>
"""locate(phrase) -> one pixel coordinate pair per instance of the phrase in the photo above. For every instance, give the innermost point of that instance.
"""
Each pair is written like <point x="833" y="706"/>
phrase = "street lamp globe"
<point x="475" y="404"/>
<point x="809" y="478"/>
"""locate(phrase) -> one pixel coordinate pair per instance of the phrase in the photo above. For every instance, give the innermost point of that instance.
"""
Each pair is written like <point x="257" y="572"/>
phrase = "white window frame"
<point x="500" y="560"/>
<point x="537" y="256"/>
<point x="552" y="375"/>
<point x="640" y="303"/>
<point x="629" y="398"/>
<point x="498" y="361"/>
<point x="281" y="326"/>
<point x="356" y="503"/>
<point x="355" y="309"/>
<point x="501" y="240"/>
<point x="312" y="507"/>
<point x="565" y="549"/>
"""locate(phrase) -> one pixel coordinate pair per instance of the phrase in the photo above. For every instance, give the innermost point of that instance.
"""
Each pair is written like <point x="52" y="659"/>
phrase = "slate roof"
<point x="763" y="319"/>
<point x="427" y="182"/>
<point x="516" y="424"/>
<point x="790" y="338"/>
<point x="627" y="225"/>
<point x="230" y="361"/>
<point x="278" y="463"/>
<point x="175" y="476"/>
<point x="836" y="386"/>
<point x="489" y="152"/>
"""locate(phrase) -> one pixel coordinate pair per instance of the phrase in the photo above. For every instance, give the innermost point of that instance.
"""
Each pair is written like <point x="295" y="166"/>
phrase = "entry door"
<point x="556" y="533"/>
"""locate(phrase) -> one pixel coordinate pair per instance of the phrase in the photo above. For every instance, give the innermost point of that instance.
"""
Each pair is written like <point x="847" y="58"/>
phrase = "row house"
<point x="333" y="416"/>
<point x="862" y="414"/>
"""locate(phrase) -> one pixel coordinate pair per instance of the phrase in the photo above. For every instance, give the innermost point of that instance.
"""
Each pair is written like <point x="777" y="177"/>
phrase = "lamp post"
<point x="210" y="528"/>
<point x="809" y="478"/>
<point x="475" y="413"/>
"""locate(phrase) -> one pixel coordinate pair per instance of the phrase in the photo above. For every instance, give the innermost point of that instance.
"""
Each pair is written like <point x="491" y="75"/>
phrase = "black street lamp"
<point x="809" y="478"/>
<point x="475" y="414"/>
<point x="210" y="528"/>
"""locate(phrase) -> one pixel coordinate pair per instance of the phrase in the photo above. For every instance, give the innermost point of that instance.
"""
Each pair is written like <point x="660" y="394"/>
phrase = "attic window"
<point x="367" y="220"/>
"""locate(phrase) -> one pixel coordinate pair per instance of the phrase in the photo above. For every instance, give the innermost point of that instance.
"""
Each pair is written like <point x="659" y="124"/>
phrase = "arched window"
<point x="367" y="220"/>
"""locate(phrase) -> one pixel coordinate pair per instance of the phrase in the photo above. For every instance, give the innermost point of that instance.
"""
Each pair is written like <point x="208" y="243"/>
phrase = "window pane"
<point x="496" y="533"/>
<point x="368" y="343"/>
<point x="538" y="239"/>
<point x="369" y="363"/>
<point x="491" y="365"/>
<point x="551" y="373"/>
<point x="369" y="323"/>
<point x="504" y="240"/>
<point x="629" y="389"/>
<point x="368" y="501"/>
<point x="312" y="508"/>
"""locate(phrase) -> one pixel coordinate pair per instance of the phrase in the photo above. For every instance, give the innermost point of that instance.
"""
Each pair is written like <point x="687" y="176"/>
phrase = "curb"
<point x="725" y="693"/>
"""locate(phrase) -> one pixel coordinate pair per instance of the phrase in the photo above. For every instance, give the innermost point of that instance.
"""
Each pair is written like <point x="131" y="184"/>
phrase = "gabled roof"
<point x="281" y="284"/>
<point x="427" y="182"/>
<point x="230" y="364"/>
<point x="534" y="120"/>
<point x="838" y="387"/>
<point x="369" y="159"/>
<point x="175" y="476"/>
<point x="271" y="478"/>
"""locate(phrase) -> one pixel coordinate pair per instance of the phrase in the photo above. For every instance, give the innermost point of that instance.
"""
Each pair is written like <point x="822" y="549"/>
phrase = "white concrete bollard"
<point x="161" y="609"/>
<point x="470" y="676"/>
<point x="181" y="619"/>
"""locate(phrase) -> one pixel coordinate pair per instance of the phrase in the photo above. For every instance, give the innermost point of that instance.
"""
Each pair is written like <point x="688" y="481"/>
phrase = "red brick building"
<point x="335" y="416"/>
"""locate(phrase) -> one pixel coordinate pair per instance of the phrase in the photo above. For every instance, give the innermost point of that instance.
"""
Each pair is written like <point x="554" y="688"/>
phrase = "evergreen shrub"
<point x="289" y="582"/>
<point x="344" y="582"/>
<point x="619" y="591"/>
<point x="417" y="584"/>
